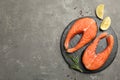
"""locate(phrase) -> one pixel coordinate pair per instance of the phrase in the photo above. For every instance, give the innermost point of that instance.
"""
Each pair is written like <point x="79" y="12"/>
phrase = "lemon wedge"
<point x="105" y="23"/>
<point x="100" y="11"/>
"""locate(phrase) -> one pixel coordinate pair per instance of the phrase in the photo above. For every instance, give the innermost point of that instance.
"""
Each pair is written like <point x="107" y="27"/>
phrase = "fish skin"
<point x="93" y="60"/>
<point x="85" y="26"/>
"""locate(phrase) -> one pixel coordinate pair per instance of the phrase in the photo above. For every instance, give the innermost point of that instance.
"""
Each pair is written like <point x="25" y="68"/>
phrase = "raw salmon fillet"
<point x="93" y="61"/>
<point x="85" y="26"/>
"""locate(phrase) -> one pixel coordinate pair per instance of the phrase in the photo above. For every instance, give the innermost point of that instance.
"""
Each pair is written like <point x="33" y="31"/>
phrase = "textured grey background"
<point x="30" y="32"/>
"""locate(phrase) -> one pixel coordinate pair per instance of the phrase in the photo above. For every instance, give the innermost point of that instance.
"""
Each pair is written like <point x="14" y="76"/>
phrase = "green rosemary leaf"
<point x="76" y="63"/>
<point x="74" y="59"/>
<point x="77" y="59"/>
<point x="76" y="67"/>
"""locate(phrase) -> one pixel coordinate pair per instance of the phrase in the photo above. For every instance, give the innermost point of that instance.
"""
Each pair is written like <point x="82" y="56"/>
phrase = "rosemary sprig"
<point x="76" y="67"/>
<point x="76" y="63"/>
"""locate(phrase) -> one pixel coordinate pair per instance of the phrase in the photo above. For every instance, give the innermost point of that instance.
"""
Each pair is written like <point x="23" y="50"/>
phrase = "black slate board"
<point x="101" y="46"/>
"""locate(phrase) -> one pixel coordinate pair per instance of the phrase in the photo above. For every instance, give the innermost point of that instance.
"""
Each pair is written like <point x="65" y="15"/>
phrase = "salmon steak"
<point x="93" y="60"/>
<point x="85" y="26"/>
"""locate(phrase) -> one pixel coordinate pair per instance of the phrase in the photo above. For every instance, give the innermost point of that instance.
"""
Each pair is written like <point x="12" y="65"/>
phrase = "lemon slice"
<point x="105" y="23"/>
<point x="100" y="11"/>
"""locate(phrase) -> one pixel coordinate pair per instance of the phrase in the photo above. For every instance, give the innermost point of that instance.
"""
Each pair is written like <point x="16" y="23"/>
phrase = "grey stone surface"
<point x="30" y="32"/>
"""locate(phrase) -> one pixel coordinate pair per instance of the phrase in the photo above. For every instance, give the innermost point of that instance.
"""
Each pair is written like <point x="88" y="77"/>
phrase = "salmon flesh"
<point x="93" y="60"/>
<point x="85" y="26"/>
